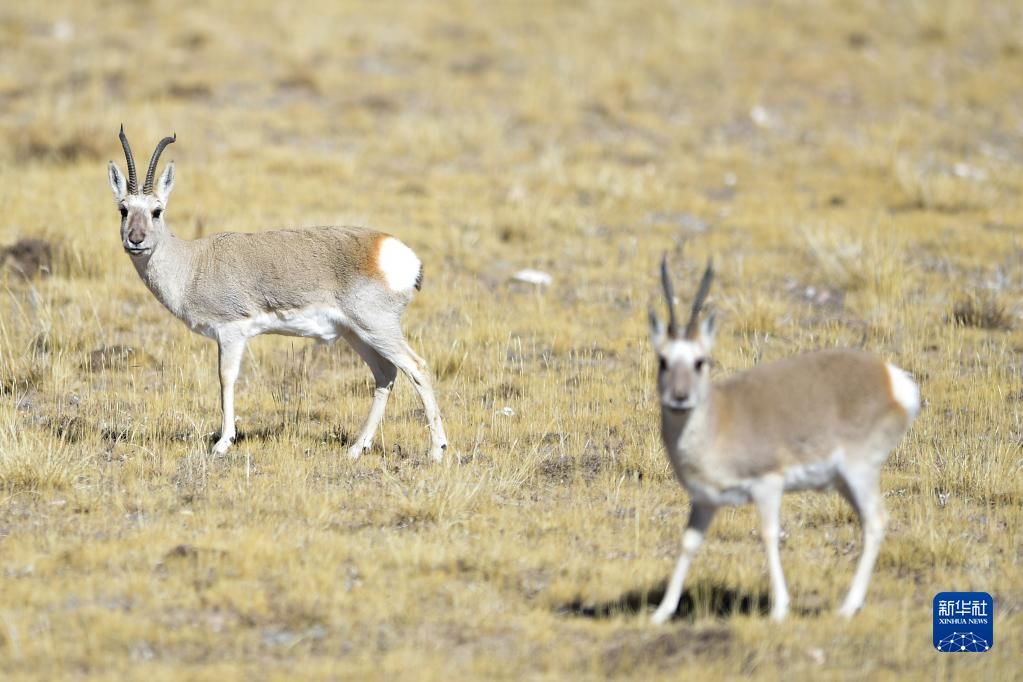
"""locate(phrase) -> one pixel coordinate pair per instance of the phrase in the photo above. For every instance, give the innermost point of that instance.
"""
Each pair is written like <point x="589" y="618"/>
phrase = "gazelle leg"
<point x="700" y="516"/>
<point x="384" y="373"/>
<point x="231" y="350"/>
<point x="861" y="487"/>
<point x="386" y="339"/>
<point x="767" y="496"/>
<point x="414" y="367"/>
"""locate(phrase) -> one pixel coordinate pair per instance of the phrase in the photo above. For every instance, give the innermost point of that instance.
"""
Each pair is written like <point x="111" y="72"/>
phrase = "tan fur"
<point x="239" y="275"/>
<point x="797" y="410"/>
<point x="373" y="262"/>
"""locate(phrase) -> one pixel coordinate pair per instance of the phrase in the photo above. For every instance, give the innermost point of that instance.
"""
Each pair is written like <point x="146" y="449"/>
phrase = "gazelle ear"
<point x="657" y="330"/>
<point x="165" y="183"/>
<point x="117" y="182"/>
<point x="708" y="328"/>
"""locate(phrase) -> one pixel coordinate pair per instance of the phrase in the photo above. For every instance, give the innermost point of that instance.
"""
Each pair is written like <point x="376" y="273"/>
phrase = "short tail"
<point x="904" y="390"/>
<point x="419" y="278"/>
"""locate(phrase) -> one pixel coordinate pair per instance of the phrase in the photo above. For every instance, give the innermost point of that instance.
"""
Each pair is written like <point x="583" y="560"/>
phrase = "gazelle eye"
<point x="157" y="212"/>
<point x="662" y="364"/>
<point x="700" y="364"/>
<point x="124" y="211"/>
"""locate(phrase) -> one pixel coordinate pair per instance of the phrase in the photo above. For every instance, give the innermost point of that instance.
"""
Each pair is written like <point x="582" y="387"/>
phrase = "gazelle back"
<point x="325" y="283"/>
<point x="813" y="421"/>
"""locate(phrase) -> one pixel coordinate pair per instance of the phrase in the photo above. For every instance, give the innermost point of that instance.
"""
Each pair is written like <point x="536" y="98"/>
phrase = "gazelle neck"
<point x="167" y="271"/>
<point x="690" y="430"/>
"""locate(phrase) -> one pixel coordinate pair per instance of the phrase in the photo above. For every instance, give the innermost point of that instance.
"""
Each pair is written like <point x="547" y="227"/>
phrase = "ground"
<point x="854" y="169"/>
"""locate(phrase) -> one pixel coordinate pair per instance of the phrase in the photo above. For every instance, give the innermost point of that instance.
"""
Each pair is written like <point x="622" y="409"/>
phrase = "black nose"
<point x="680" y="397"/>
<point x="136" y="241"/>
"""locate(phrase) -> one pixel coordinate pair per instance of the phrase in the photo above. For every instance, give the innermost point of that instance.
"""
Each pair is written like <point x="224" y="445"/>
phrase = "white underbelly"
<point x="722" y="492"/>
<point x="730" y="495"/>
<point x="813" y="476"/>
<point x="321" y="323"/>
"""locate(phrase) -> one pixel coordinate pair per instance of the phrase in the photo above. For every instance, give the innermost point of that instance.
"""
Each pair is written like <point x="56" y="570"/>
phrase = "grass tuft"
<point x="32" y="462"/>
<point x="981" y="309"/>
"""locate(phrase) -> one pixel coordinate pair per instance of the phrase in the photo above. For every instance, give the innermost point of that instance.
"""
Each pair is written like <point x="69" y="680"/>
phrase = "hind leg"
<point x="384" y="373"/>
<point x="387" y="341"/>
<point x="861" y="487"/>
<point x="414" y="367"/>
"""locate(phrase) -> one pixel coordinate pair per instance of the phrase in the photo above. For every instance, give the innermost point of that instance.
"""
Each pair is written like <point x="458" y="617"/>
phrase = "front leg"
<point x="767" y="494"/>
<point x="231" y="351"/>
<point x="700" y="516"/>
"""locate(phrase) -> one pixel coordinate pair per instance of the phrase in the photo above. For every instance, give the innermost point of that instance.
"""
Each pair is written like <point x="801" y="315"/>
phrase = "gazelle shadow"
<point x="704" y="599"/>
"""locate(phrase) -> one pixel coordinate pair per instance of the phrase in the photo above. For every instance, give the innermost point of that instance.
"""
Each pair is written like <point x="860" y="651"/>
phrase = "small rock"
<point x="142" y="651"/>
<point x="535" y="277"/>
<point x="966" y="171"/>
<point x="289" y="638"/>
<point x="26" y="403"/>
<point x="63" y="31"/>
<point x="760" y="116"/>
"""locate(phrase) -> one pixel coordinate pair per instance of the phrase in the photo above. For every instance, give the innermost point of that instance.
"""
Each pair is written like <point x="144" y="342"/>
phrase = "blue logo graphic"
<point x="964" y="622"/>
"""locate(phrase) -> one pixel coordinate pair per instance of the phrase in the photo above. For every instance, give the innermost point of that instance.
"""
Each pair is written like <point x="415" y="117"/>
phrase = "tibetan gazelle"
<point x="808" y="422"/>
<point x="325" y="283"/>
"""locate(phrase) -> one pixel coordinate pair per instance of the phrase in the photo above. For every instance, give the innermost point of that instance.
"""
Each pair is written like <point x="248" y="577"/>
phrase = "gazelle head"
<point x="683" y="356"/>
<point x="142" y="225"/>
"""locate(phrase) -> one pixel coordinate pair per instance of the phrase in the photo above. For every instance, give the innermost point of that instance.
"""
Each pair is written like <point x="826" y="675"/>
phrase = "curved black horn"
<point x="701" y="298"/>
<point x="148" y="187"/>
<point x="669" y="294"/>
<point x="133" y="180"/>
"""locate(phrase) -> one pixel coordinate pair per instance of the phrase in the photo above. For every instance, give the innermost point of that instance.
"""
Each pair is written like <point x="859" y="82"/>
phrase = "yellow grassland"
<point x="854" y="168"/>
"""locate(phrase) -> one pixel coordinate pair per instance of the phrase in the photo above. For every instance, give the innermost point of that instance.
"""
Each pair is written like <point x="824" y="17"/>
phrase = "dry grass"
<point x="981" y="309"/>
<point x="852" y="169"/>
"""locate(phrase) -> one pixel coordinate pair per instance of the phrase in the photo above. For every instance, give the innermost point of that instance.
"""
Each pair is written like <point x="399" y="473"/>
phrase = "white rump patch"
<point x="904" y="389"/>
<point x="399" y="264"/>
